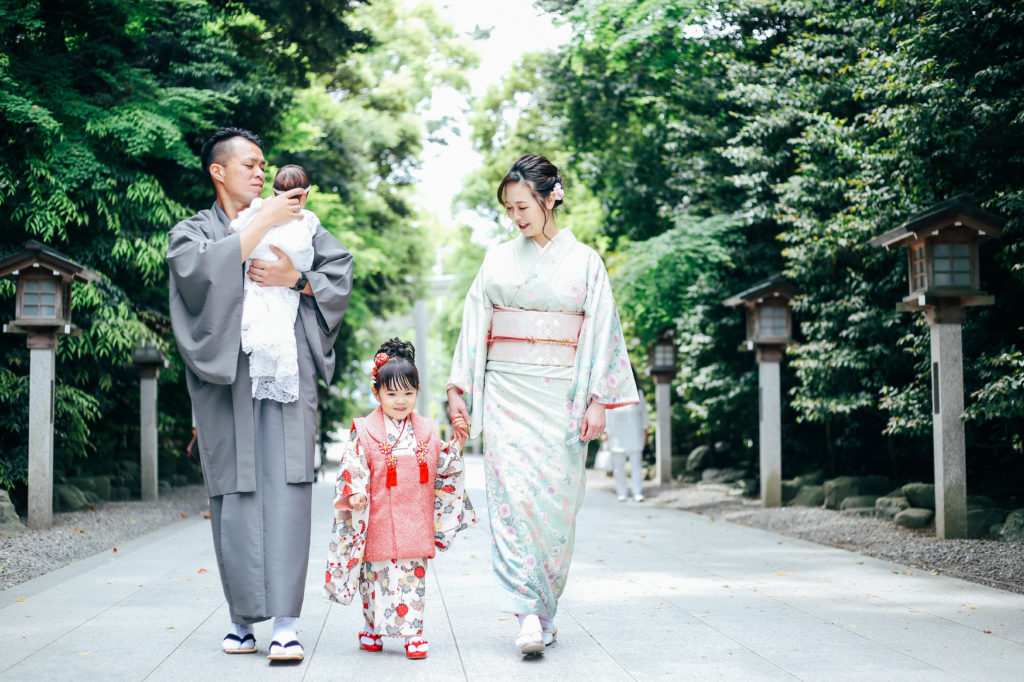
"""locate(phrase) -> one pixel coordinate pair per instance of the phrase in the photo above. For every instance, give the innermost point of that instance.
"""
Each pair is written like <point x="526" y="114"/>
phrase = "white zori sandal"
<point x="289" y="651"/>
<point x="233" y="644"/>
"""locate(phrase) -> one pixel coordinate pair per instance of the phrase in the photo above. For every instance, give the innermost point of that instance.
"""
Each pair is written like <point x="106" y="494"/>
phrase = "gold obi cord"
<point x="534" y="337"/>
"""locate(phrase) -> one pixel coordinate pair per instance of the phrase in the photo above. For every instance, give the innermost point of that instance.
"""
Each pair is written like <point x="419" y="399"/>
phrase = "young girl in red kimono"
<point x="400" y="493"/>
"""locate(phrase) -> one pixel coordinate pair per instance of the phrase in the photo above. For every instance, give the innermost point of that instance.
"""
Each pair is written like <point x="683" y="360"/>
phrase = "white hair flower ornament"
<point x="558" y="191"/>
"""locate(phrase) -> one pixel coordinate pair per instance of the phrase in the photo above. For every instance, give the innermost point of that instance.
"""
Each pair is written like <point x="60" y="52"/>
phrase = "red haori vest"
<point x="401" y="524"/>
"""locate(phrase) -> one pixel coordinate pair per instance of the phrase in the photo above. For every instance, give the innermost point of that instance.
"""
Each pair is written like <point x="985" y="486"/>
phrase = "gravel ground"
<point x="77" y="535"/>
<point x="996" y="564"/>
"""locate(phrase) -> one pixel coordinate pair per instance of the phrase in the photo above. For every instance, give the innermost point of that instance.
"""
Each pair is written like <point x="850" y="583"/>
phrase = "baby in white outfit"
<point x="268" y="313"/>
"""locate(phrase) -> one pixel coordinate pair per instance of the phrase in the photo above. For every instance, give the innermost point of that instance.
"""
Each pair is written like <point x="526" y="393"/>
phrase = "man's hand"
<point x="274" y="273"/>
<point x="458" y="414"/>
<point x="281" y="208"/>
<point x="274" y="211"/>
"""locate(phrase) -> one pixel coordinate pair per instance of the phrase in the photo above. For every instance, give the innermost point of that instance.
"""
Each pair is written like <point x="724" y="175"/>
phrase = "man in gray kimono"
<point x="257" y="455"/>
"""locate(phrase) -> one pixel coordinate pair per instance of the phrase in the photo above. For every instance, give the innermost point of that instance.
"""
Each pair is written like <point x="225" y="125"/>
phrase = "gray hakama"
<point x="257" y="455"/>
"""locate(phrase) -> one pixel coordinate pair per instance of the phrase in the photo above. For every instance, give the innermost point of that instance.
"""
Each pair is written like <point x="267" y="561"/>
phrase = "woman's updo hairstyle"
<point x="537" y="173"/>
<point x="399" y="371"/>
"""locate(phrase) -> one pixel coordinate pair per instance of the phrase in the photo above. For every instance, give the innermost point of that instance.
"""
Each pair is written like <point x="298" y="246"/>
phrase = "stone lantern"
<point x="944" y="279"/>
<point x="769" y="331"/>
<point x="149" y="361"/>
<point x="42" y="311"/>
<point x="662" y="366"/>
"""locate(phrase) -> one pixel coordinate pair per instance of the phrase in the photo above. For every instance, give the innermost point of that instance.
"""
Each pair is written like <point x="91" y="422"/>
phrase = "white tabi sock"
<point x="239" y="630"/>
<point x="284" y="629"/>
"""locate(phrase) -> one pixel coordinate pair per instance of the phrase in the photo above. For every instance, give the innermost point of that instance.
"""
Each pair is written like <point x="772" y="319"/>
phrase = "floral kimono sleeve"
<point x="469" y="360"/>
<point x="348" y="533"/>
<point x="453" y="512"/>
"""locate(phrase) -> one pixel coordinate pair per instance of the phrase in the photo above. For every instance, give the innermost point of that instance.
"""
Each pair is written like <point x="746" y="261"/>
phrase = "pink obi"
<point x="534" y="337"/>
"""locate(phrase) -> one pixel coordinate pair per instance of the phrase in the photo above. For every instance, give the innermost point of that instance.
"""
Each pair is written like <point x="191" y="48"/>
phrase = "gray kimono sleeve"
<point x="206" y="290"/>
<point x="331" y="282"/>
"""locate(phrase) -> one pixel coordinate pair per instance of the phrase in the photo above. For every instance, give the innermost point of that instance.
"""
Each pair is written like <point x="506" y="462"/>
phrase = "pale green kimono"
<point x="531" y="415"/>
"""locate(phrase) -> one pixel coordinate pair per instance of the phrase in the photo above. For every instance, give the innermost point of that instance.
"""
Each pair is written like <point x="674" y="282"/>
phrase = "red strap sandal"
<point x="416" y="648"/>
<point x="370" y="642"/>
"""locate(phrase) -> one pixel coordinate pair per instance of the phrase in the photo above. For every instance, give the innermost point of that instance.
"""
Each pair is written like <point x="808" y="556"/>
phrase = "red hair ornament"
<point x="378" y="360"/>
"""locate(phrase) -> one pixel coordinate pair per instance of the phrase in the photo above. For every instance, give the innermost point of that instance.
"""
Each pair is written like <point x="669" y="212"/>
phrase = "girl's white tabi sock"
<point x="546" y="622"/>
<point x="284" y="629"/>
<point x="239" y="630"/>
<point x="367" y="629"/>
<point x="528" y="622"/>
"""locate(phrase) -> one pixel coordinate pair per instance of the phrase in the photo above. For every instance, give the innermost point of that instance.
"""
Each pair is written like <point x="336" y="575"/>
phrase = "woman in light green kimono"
<point x="539" y="360"/>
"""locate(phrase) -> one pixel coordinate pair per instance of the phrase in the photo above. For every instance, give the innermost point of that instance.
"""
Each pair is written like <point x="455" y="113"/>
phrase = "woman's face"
<point x="398" y="402"/>
<point x="527" y="214"/>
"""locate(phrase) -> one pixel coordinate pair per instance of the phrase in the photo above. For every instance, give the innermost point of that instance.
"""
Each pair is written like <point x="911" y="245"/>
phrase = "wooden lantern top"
<point x="942" y="257"/>
<point x="958" y="216"/>
<point x="769" y="319"/>
<point x="774" y="289"/>
<point x="37" y="255"/>
<point x="660" y="363"/>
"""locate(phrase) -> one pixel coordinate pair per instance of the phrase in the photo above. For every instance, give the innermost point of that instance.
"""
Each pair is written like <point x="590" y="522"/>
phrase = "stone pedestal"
<point x="948" y="430"/>
<point x="663" y="429"/>
<point x="148" y="433"/>
<point x="770" y="427"/>
<point x="43" y="362"/>
<point x="10" y="524"/>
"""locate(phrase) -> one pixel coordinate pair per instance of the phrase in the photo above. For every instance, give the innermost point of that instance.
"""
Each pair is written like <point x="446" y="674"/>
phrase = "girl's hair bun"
<point x="397" y="348"/>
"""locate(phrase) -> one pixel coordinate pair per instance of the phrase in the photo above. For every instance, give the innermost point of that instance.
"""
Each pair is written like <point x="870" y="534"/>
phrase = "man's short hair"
<point x="215" y="149"/>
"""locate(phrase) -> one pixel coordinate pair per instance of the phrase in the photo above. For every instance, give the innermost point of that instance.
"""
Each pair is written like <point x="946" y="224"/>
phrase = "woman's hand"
<point x="593" y="422"/>
<point x="274" y="273"/>
<point x="458" y="414"/>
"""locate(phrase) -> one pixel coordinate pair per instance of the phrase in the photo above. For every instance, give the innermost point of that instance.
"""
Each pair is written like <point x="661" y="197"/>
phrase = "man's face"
<point x="243" y="171"/>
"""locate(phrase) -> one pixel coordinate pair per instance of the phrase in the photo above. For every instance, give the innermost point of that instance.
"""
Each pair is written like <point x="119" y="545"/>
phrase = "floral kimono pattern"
<point x="392" y="591"/>
<point x="531" y="415"/>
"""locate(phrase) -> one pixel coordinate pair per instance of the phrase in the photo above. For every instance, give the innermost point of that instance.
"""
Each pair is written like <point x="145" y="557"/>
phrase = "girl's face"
<point x="527" y="214"/>
<point x="398" y="402"/>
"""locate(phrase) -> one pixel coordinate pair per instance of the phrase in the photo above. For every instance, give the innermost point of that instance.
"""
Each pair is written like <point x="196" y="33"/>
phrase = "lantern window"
<point x="773" y="322"/>
<point x="40" y="298"/>
<point x="664" y="355"/>
<point x="952" y="265"/>
<point x="918" y="273"/>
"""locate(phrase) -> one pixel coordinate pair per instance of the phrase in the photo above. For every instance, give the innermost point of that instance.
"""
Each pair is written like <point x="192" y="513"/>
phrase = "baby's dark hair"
<point x="400" y="369"/>
<point x="290" y="177"/>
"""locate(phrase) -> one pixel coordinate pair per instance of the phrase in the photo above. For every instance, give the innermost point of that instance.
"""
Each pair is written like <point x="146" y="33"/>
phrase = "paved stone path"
<point x="653" y="594"/>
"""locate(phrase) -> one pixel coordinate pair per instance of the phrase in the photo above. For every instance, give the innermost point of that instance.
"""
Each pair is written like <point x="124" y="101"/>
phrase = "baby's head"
<point x="290" y="177"/>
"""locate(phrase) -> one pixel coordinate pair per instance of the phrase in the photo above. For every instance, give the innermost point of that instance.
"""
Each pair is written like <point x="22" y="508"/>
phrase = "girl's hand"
<point x="355" y="501"/>
<point x="593" y="422"/>
<point x="276" y="273"/>
<point x="458" y="414"/>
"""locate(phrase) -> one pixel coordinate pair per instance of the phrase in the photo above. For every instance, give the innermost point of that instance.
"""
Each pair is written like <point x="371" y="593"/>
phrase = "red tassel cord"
<point x="392" y="462"/>
<point x="421" y="457"/>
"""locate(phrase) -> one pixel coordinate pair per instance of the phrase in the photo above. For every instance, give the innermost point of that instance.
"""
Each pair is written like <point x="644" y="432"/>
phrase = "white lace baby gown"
<point x="268" y="313"/>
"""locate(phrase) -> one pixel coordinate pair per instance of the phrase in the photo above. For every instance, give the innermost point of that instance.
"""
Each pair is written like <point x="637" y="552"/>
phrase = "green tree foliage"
<point x="808" y="127"/>
<point x="103" y="106"/>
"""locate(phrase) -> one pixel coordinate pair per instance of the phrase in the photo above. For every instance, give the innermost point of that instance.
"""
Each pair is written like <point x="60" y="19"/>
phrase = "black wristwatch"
<point x="301" y="284"/>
